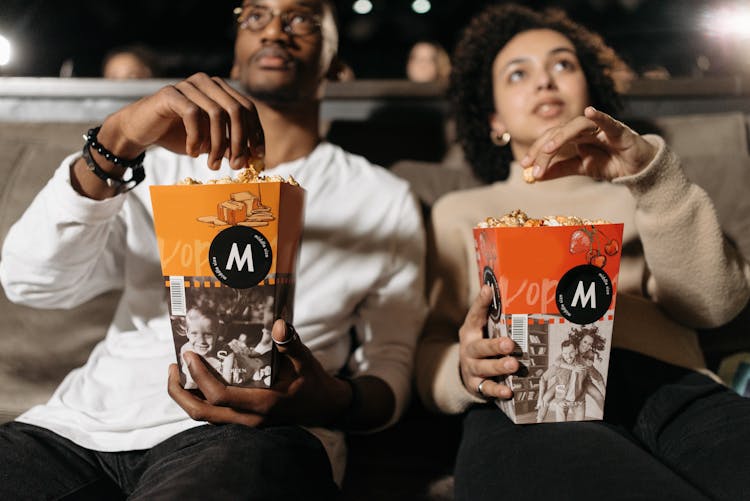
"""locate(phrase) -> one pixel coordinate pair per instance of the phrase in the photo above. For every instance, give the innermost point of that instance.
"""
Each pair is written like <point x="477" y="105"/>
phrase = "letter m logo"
<point x="585" y="296"/>
<point x="246" y="259"/>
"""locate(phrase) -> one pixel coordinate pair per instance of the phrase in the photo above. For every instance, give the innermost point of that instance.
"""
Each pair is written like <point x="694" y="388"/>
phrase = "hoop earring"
<point x="499" y="139"/>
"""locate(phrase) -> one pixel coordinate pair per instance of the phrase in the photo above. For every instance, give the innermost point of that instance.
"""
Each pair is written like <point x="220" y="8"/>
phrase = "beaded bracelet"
<point x="121" y="185"/>
<point x="91" y="140"/>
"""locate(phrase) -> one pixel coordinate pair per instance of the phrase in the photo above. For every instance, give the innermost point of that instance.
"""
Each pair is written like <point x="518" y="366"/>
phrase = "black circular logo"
<point x="584" y="294"/>
<point x="240" y="257"/>
<point x="496" y="308"/>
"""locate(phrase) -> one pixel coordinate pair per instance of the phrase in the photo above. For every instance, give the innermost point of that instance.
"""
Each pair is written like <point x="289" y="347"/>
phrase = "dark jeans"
<point x="224" y="462"/>
<point x="668" y="433"/>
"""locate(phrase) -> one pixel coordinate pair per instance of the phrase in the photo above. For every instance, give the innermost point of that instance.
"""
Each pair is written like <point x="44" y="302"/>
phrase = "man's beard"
<point x="272" y="95"/>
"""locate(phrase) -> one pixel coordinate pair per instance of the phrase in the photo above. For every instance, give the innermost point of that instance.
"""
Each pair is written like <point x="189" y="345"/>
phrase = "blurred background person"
<point x="428" y="62"/>
<point x="130" y="62"/>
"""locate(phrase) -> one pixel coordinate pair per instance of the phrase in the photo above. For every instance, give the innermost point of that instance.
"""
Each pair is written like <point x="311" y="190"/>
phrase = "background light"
<point x="4" y="51"/>
<point x="728" y="21"/>
<point x="421" y="6"/>
<point x="362" y="6"/>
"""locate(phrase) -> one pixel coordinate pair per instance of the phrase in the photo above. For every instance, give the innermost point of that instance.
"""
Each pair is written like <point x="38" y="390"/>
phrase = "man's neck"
<point x="291" y="133"/>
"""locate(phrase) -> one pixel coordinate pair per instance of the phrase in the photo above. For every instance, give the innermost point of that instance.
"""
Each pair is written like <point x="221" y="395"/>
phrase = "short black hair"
<point x="471" y="77"/>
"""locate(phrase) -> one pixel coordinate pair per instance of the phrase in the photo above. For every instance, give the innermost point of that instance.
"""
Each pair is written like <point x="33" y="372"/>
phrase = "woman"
<point x="533" y="91"/>
<point x="428" y="62"/>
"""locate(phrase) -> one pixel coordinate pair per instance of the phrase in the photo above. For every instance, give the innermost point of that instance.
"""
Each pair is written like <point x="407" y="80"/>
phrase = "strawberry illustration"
<point x="579" y="242"/>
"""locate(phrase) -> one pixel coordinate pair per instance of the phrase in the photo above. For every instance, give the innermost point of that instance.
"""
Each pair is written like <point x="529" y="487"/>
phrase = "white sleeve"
<point x="65" y="249"/>
<point x="390" y="319"/>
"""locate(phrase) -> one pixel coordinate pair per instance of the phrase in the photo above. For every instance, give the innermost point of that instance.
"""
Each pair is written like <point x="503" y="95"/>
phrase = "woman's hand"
<point x="481" y="358"/>
<point x="594" y="145"/>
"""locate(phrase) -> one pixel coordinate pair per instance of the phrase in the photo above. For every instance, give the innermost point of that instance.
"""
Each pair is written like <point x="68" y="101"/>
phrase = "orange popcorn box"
<point x="554" y="295"/>
<point x="228" y="255"/>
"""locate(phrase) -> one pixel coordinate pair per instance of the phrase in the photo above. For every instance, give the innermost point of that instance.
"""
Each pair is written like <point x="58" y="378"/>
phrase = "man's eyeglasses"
<point x="294" y="22"/>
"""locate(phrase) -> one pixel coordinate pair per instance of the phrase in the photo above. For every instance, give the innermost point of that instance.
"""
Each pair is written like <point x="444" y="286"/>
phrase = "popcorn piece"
<point x="528" y="175"/>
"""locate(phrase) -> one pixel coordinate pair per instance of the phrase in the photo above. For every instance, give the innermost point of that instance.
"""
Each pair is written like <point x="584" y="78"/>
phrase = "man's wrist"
<point x="116" y="142"/>
<point x="346" y="417"/>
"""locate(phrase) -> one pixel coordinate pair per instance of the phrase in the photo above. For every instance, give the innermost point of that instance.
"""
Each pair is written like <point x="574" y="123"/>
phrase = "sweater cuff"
<point x="662" y="183"/>
<point x="77" y="207"/>
<point x="451" y="396"/>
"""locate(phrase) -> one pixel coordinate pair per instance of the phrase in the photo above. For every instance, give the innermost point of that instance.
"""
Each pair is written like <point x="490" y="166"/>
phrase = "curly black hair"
<point x="598" y="342"/>
<point x="471" y="77"/>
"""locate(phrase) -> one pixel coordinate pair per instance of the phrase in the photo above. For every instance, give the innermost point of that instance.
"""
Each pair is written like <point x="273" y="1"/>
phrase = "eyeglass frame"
<point x="281" y="14"/>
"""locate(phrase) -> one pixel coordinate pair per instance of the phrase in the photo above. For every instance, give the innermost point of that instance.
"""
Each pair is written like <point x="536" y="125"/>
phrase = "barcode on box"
<point x="519" y="331"/>
<point x="177" y="295"/>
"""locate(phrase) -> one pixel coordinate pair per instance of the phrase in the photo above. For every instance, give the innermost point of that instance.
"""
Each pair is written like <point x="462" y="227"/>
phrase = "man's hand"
<point x="304" y="393"/>
<point x="480" y="358"/>
<point x="198" y="115"/>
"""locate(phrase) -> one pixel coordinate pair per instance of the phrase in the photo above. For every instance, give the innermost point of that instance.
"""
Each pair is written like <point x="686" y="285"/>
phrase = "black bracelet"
<point x="91" y="140"/>
<point x="120" y="185"/>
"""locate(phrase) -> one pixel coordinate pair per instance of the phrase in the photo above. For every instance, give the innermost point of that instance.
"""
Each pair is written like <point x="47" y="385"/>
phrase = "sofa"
<point x="412" y="460"/>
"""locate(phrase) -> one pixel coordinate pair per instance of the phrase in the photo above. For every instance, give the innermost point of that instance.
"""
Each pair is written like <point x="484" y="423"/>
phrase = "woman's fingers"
<point x="611" y="128"/>
<point x="554" y="142"/>
<point x="492" y="389"/>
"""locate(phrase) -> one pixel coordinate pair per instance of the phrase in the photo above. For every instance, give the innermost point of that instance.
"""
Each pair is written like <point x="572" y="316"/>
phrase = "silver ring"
<point x="293" y="337"/>
<point x="479" y="388"/>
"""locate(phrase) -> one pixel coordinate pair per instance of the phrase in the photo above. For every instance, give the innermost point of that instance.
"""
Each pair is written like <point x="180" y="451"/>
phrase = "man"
<point x="110" y="429"/>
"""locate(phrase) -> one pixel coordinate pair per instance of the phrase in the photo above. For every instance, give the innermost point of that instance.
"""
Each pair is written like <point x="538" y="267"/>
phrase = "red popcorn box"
<point x="554" y="285"/>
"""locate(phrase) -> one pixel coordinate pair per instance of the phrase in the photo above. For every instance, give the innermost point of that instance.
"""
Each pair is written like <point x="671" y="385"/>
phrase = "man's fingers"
<point x="217" y="120"/>
<point x="234" y="109"/>
<point x="289" y="343"/>
<point x="192" y="116"/>
<point x="253" y="128"/>
<point x="200" y="410"/>
<point x="214" y="389"/>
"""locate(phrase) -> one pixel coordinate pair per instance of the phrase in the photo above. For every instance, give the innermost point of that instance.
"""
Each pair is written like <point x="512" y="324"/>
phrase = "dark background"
<point x="193" y="35"/>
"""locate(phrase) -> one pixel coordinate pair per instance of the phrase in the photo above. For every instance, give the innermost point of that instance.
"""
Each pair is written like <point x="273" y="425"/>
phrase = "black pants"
<point x="226" y="462"/>
<point x="668" y="433"/>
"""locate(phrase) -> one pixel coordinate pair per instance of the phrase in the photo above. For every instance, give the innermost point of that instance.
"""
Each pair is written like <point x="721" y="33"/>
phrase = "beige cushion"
<point x="726" y="178"/>
<point x="705" y="134"/>
<point x="38" y="347"/>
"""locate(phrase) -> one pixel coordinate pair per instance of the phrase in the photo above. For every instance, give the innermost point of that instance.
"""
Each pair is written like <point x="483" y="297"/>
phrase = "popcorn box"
<point x="554" y="295"/>
<point x="228" y="255"/>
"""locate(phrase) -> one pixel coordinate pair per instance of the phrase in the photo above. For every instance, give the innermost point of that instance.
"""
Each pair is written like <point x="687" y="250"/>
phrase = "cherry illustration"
<point x="598" y="260"/>
<point x="612" y="247"/>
